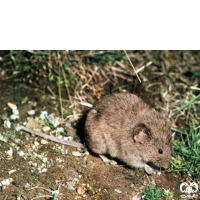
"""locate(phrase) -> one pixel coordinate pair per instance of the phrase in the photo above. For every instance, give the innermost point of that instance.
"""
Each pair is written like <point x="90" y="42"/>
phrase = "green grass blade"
<point x="184" y="106"/>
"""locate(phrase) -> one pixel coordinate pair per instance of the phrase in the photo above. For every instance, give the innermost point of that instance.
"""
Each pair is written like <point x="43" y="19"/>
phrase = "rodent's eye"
<point x="160" y="151"/>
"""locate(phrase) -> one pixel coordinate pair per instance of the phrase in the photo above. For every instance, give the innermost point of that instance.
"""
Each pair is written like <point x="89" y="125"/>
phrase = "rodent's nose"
<point x="166" y="166"/>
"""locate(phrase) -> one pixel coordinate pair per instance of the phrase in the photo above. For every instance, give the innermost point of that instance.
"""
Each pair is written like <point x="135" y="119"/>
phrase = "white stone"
<point x="10" y="152"/>
<point x="118" y="191"/>
<point x="46" y="128"/>
<point x="76" y="153"/>
<point x="44" y="141"/>
<point x="60" y="129"/>
<point x="43" y="114"/>
<point x="7" y="123"/>
<point x="31" y="112"/>
<point x="12" y="171"/>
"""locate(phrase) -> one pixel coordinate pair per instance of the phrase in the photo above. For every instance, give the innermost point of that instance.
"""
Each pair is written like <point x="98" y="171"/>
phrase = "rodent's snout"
<point x="166" y="165"/>
<point x="163" y="166"/>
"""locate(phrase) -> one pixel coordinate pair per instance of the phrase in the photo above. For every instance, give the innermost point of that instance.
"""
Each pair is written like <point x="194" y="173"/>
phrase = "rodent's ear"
<point x="141" y="133"/>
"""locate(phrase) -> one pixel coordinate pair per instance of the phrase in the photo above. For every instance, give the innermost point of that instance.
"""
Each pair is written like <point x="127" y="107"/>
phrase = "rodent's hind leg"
<point x="94" y="136"/>
<point x="107" y="161"/>
<point x="97" y="144"/>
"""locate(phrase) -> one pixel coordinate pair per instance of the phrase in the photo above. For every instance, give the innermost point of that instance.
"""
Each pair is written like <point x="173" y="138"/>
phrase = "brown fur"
<point x="124" y="127"/>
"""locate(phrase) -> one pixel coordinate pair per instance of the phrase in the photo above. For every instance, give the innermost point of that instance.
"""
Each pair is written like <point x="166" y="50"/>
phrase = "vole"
<point x="122" y="126"/>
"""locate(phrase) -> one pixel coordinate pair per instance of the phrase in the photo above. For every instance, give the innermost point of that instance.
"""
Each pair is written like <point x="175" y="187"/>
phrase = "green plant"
<point x="54" y="192"/>
<point x="98" y="57"/>
<point x="153" y="193"/>
<point x="186" y="153"/>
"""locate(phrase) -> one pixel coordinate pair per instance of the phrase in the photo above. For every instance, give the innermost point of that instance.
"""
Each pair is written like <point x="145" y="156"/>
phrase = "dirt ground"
<point x="40" y="167"/>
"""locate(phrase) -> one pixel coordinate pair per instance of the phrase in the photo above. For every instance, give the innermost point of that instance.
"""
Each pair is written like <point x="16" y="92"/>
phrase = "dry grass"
<point x="170" y="78"/>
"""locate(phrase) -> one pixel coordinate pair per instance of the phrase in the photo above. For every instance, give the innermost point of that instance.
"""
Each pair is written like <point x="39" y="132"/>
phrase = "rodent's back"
<point x="113" y="118"/>
<point x="120" y="111"/>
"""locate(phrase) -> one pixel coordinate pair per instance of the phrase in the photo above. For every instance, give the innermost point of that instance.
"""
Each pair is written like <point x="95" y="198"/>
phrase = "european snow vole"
<point x="125" y="127"/>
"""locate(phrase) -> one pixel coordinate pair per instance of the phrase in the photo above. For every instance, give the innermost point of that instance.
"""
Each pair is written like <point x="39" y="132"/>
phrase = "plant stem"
<point x="184" y="106"/>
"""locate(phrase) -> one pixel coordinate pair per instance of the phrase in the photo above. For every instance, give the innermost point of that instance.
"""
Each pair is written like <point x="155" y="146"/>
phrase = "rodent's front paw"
<point x="148" y="169"/>
<point x="107" y="161"/>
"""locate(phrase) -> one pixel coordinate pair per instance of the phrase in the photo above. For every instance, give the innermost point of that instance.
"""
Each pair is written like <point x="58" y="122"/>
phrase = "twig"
<point x="59" y="90"/>
<point x="50" y="90"/>
<point x="52" y="138"/>
<point x="40" y="188"/>
<point x="42" y="197"/>
<point x="66" y="86"/>
<point x="194" y="88"/>
<point x="144" y="66"/>
<point x="132" y="66"/>
<point x="92" y="54"/>
<point x="86" y="104"/>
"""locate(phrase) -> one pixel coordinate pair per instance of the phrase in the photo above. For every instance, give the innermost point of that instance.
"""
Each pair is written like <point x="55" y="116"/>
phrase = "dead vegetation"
<point x="169" y="78"/>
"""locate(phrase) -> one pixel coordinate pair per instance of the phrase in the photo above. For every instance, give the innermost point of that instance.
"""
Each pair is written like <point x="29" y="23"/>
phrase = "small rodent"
<point x="124" y="127"/>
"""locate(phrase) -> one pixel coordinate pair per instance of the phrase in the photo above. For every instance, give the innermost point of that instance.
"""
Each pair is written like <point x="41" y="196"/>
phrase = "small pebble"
<point x="43" y="114"/>
<point x="43" y="170"/>
<point x="31" y="112"/>
<point x="41" y="167"/>
<point x="80" y="190"/>
<point x="70" y="187"/>
<point x="44" y="160"/>
<point x="7" y="123"/>
<point x="12" y="106"/>
<point x="27" y="186"/>
<point x="17" y="140"/>
<point x="21" y="153"/>
<point x="118" y="191"/>
<point x="159" y="173"/>
<point x="24" y="100"/>
<point x="18" y="128"/>
<point x="60" y="129"/>
<point x="17" y="148"/>
<point x="15" y="112"/>
<point x="44" y="141"/>
<point x="71" y="184"/>
<point x="53" y="120"/>
<point x="14" y="117"/>
<point x="6" y="182"/>
<point x="12" y="171"/>
<point x="76" y="153"/>
<point x="4" y="139"/>
<point x="36" y="143"/>
<point x="10" y="152"/>
<point x="59" y="160"/>
<point x="31" y="163"/>
<point x="46" y="128"/>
